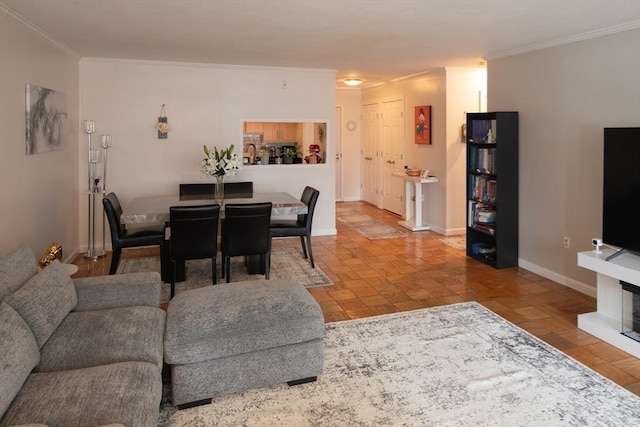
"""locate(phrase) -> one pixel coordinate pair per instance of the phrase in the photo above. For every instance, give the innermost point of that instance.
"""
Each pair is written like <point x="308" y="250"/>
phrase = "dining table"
<point x="155" y="209"/>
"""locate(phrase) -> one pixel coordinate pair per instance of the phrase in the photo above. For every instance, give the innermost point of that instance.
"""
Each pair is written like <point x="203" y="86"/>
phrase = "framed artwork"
<point x="45" y="117"/>
<point x="422" y="124"/>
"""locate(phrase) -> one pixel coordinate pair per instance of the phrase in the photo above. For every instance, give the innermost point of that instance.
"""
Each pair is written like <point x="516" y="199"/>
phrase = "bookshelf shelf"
<point x="492" y="188"/>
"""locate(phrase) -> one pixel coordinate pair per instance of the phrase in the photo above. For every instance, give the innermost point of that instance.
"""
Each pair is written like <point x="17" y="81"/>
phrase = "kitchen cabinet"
<point x="274" y="131"/>
<point x="254" y="127"/>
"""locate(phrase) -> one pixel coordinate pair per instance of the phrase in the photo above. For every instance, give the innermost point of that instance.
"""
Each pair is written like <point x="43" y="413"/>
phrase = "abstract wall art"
<point x="46" y="118"/>
<point x="422" y="124"/>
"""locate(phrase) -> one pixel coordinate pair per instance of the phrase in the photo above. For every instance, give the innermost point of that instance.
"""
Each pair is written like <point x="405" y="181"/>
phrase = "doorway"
<point x="338" y="136"/>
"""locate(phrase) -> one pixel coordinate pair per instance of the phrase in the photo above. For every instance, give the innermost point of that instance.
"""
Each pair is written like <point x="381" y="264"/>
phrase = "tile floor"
<point x="374" y="277"/>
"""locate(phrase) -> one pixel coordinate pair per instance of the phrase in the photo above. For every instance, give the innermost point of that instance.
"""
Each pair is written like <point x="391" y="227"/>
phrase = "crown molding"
<point x="10" y="13"/>
<point x="566" y="40"/>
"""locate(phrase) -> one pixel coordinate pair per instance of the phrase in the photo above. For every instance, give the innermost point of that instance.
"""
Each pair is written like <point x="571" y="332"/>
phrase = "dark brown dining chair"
<point x="123" y="238"/>
<point x="301" y="226"/>
<point x="197" y="191"/>
<point x="245" y="232"/>
<point x="193" y="235"/>
<point x="240" y="188"/>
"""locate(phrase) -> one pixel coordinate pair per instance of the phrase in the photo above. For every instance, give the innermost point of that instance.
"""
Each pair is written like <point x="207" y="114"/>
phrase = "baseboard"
<point x="324" y="232"/>
<point x="558" y="278"/>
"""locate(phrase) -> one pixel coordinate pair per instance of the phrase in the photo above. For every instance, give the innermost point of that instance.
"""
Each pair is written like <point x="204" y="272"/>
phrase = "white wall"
<point x="38" y="193"/>
<point x="464" y="86"/>
<point x="451" y="92"/>
<point x="566" y="95"/>
<point x="205" y="104"/>
<point x="349" y="100"/>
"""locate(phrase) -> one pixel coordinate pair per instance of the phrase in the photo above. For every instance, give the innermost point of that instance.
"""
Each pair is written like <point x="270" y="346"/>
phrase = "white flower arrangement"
<point x="220" y="162"/>
<point x="162" y="127"/>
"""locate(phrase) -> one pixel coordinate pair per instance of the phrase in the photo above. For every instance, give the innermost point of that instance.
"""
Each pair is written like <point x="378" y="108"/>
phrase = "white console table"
<point x="606" y="323"/>
<point x="411" y="221"/>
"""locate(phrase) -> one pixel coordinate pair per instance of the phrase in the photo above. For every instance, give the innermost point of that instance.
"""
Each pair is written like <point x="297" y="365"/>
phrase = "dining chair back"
<point x="123" y="238"/>
<point x="199" y="190"/>
<point x="245" y="232"/>
<point x="193" y="235"/>
<point x="206" y="191"/>
<point x="238" y="189"/>
<point x="302" y="225"/>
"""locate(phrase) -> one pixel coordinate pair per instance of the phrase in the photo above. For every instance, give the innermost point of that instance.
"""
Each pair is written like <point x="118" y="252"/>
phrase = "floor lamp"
<point x="93" y="189"/>
<point x="106" y="144"/>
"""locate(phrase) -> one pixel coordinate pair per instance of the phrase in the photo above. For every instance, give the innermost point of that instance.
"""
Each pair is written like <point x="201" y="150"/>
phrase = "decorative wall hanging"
<point x="162" y="126"/>
<point x="46" y="116"/>
<point x="422" y="124"/>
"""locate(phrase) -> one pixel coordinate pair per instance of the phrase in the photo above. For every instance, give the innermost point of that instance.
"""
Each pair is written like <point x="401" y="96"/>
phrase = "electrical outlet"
<point x="284" y="84"/>
<point x="566" y="242"/>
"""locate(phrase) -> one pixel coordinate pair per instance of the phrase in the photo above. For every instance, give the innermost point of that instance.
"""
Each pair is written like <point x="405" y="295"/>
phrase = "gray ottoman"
<point x="232" y="337"/>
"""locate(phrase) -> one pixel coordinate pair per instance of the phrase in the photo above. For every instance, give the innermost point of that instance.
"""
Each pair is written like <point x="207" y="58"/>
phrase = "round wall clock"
<point x="351" y="125"/>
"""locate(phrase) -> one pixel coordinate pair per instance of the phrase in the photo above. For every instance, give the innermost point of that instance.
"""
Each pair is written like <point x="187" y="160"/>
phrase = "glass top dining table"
<point x="143" y="210"/>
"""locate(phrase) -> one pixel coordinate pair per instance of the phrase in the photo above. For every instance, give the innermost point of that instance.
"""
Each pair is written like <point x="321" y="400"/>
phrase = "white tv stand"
<point x="606" y="323"/>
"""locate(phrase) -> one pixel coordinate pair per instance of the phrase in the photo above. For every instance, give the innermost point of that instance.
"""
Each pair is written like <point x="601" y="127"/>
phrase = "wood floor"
<point x="374" y="277"/>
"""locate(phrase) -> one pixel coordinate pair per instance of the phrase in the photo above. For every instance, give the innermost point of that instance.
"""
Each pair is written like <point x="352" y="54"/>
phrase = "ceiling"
<point x="376" y="40"/>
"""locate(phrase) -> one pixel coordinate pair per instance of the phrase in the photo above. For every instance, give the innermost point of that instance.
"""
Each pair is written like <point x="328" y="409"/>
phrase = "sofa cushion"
<point x="45" y="300"/>
<point x="15" y="269"/>
<point x="235" y="318"/>
<point x="127" y="393"/>
<point x="19" y="353"/>
<point x="91" y="338"/>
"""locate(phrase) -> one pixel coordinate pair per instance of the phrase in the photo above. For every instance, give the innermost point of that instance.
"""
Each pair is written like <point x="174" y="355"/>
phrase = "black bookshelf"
<point x="492" y="188"/>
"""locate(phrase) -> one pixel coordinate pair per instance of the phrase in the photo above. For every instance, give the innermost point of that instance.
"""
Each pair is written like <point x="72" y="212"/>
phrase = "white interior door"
<point x="392" y="156"/>
<point x="369" y="153"/>
<point x="338" y="153"/>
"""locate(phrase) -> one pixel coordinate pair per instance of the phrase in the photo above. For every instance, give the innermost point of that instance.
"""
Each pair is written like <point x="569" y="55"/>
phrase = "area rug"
<point x="286" y="263"/>
<point x="456" y="242"/>
<point x="455" y="365"/>
<point x="366" y="225"/>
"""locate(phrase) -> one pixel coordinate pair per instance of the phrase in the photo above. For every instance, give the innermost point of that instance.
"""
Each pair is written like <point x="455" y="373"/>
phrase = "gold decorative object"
<point x="162" y="126"/>
<point x="46" y="259"/>
<point x="54" y="251"/>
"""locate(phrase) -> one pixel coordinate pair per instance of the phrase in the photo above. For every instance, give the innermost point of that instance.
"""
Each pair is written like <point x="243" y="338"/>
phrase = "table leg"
<point x="418" y="193"/>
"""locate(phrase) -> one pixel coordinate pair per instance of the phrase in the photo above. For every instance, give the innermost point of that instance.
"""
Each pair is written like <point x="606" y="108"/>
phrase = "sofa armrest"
<point x="118" y="290"/>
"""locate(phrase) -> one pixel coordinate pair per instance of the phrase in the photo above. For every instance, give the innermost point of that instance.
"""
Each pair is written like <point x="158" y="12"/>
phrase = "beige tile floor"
<point x="384" y="276"/>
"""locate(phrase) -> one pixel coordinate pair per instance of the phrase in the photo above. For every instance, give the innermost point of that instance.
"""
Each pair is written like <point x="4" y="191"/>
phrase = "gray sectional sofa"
<point x="78" y="352"/>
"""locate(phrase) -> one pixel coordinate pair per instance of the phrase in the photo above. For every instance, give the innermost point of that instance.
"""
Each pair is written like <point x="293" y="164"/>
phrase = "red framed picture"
<point x="422" y="124"/>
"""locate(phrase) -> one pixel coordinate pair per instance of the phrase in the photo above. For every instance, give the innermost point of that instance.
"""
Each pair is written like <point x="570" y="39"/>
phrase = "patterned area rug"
<point x="456" y="242"/>
<point x="456" y="365"/>
<point x="366" y="225"/>
<point x="286" y="263"/>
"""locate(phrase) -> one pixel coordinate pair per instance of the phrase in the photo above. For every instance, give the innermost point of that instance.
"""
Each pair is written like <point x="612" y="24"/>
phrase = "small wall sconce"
<point x="162" y="126"/>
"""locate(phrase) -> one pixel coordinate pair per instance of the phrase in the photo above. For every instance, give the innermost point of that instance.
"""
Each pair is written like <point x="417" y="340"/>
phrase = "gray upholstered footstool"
<point x="232" y="337"/>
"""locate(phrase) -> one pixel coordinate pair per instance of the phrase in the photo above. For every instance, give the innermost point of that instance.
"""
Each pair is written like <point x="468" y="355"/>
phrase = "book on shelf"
<point x="485" y="228"/>
<point x="484" y="188"/>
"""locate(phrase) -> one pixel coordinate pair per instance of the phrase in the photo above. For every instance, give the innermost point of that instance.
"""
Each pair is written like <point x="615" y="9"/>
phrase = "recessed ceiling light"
<point x="352" y="82"/>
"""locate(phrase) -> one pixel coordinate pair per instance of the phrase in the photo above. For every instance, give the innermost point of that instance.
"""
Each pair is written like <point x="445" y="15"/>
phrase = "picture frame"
<point x="46" y="119"/>
<point x="422" y="124"/>
<point x="424" y="173"/>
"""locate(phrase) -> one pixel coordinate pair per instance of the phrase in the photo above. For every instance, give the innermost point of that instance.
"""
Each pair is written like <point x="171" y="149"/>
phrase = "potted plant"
<point x="288" y="154"/>
<point x="264" y="154"/>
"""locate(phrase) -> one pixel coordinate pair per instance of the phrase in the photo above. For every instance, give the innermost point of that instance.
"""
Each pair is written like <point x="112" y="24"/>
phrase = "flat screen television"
<point x="621" y="190"/>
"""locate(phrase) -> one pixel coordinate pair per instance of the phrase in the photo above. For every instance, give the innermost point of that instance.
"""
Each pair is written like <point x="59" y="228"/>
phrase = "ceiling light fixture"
<point x="352" y="82"/>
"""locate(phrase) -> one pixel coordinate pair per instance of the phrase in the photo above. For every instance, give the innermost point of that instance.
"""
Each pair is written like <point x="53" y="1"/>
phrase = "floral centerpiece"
<point x="220" y="163"/>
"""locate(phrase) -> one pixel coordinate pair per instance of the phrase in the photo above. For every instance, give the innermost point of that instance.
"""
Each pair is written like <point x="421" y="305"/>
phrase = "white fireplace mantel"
<point x="606" y="323"/>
